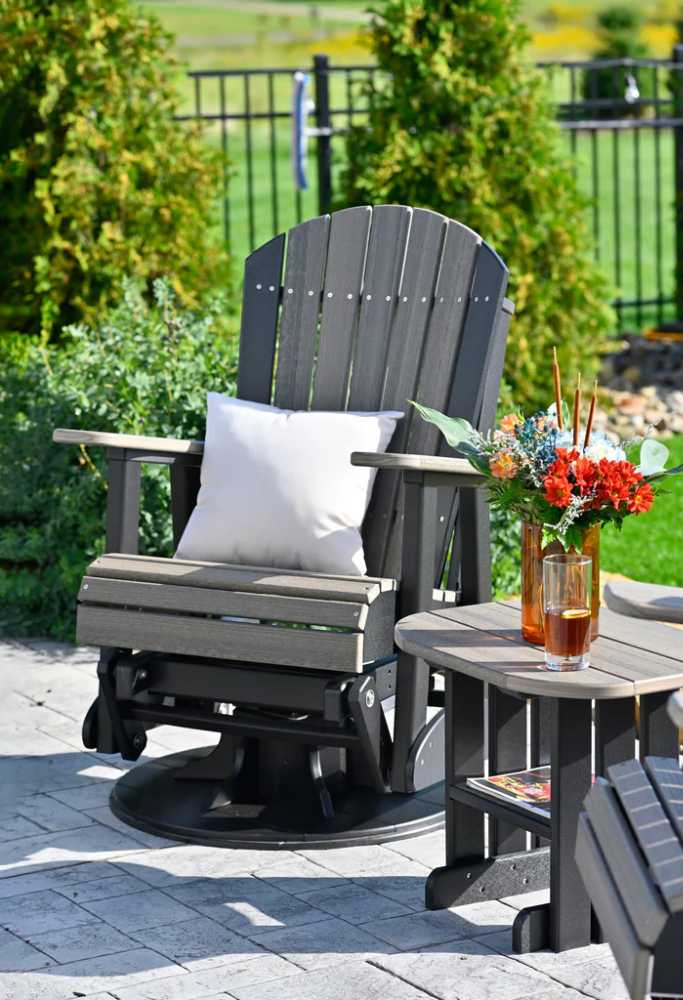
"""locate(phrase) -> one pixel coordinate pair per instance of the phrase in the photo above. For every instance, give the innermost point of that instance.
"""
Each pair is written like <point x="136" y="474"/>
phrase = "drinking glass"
<point x="567" y="610"/>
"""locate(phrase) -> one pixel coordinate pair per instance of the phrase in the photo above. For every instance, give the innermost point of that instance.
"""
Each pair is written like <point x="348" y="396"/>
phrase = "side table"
<point x="533" y="712"/>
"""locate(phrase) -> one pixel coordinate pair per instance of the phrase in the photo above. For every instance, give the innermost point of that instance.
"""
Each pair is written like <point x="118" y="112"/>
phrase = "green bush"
<point x="97" y="181"/>
<point x="145" y="370"/>
<point x="506" y="544"/>
<point x="618" y="38"/>
<point x="464" y="126"/>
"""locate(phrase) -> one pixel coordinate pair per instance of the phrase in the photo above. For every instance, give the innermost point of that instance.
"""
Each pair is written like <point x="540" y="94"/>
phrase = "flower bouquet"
<point x="560" y="480"/>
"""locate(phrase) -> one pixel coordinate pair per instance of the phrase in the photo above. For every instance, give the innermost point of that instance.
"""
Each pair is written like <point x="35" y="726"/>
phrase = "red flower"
<point x="585" y="474"/>
<point x="564" y="457"/>
<point x="641" y="500"/>
<point x="558" y="489"/>
<point x="616" y="482"/>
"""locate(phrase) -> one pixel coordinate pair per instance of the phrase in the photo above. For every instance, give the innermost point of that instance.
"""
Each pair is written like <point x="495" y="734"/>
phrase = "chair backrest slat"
<point x="443" y="335"/>
<point x="302" y="289"/>
<point x="486" y="300"/>
<point x="411" y="322"/>
<point x="340" y="305"/>
<point x="260" y="307"/>
<point x="383" y="272"/>
<point x="405" y="304"/>
<point x="435" y="378"/>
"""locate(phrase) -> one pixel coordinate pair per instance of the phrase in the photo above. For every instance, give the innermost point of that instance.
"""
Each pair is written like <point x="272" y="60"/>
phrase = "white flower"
<point x="601" y="447"/>
<point x="564" y="440"/>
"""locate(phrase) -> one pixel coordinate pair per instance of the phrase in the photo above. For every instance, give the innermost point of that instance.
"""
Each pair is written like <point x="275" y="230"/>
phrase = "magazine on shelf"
<point x="530" y="789"/>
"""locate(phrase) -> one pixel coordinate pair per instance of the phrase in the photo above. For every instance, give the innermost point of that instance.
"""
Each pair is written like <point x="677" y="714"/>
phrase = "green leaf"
<point x="456" y="430"/>
<point x="573" y="538"/>
<point x="675" y="471"/>
<point x="552" y="412"/>
<point x="653" y="456"/>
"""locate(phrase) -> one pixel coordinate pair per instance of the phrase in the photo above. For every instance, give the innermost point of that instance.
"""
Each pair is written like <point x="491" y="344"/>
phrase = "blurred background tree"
<point x="619" y="37"/>
<point x="97" y="181"/>
<point x="464" y="126"/>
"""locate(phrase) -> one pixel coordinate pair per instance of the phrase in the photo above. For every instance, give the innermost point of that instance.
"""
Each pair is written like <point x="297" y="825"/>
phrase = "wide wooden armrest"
<point x="459" y="470"/>
<point x="133" y="442"/>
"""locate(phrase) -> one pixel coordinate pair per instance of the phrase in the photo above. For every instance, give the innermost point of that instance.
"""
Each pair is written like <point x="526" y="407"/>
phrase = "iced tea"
<point x="567" y="631"/>
<point x="567" y="610"/>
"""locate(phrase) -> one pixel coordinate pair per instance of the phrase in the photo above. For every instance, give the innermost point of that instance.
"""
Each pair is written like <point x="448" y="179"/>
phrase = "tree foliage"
<point x="144" y="370"/>
<point x="619" y="37"/>
<point x="97" y="180"/>
<point x="463" y="125"/>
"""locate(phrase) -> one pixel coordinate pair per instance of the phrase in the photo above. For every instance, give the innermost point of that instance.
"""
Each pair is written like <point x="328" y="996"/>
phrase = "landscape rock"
<point x="641" y="389"/>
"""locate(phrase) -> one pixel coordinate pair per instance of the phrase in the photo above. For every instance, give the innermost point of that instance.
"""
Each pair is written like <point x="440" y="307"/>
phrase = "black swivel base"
<point x="170" y="797"/>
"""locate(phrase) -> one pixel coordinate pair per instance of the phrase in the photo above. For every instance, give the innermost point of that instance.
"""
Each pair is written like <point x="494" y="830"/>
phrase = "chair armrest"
<point x="126" y="453"/>
<point x="438" y="470"/>
<point x="150" y="446"/>
<point x="421" y="474"/>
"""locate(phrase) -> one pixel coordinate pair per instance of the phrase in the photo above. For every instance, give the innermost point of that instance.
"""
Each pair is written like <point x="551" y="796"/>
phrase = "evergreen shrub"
<point x="464" y="125"/>
<point x="144" y="370"/>
<point x="619" y="29"/>
<point x="97" y="181"/>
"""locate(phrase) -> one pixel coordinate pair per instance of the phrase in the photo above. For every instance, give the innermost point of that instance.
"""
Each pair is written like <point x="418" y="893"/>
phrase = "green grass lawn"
<point x="650" y="546"/>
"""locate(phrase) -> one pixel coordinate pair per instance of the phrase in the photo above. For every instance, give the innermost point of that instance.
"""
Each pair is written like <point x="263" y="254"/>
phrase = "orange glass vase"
<point x="532" y="578"/>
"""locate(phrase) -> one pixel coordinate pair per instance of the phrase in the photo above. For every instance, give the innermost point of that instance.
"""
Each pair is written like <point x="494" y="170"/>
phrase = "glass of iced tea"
<point x="567" y="610"/>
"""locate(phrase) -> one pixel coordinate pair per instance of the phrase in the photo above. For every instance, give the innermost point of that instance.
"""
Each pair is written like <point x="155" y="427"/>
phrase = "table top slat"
<point x="654" y="637"/>
<point x="608" y="655"/>
<point x="498" y="661"/>
<point x="484" y="641"/>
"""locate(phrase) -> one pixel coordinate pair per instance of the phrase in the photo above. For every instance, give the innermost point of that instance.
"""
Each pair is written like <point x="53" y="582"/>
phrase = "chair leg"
<point x="412" y="693"/>
<point x="105" y="728"/>
<point x="417" y="584"/>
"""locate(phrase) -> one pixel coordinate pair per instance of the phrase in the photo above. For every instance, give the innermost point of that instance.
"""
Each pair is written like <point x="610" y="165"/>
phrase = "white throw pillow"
<point x="278" y="488"/>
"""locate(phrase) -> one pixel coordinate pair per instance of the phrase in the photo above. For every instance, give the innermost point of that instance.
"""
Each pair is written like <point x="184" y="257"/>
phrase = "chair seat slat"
<point x="234" y="640"/>
<point x="252" y="579"/>
<point x="214" y="601"/>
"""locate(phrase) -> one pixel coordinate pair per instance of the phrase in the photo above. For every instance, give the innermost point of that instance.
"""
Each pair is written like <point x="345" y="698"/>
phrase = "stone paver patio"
<point x="90" y="907"/>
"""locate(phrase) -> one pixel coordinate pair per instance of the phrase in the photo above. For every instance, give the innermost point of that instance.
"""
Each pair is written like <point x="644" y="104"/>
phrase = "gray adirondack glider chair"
<point x="325" y="738"/>
<point x="630" y="854"/>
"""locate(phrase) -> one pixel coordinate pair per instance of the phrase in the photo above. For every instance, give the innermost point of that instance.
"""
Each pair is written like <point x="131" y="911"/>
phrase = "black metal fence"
<point x="621" y="121"/>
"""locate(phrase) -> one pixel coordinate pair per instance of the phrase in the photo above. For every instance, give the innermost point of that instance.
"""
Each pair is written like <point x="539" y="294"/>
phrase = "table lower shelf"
<point x="517" y="815"/>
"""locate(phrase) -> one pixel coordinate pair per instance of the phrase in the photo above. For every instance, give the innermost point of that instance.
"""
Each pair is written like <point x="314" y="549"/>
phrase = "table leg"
<point x="464" y="759"/>
<point x="541" y="727"/>
<point x="468" y="876"/>
<point x="615" y="732"/>
<point x="570" y="910"/>
<point x="507" y="752"/>
<point x="658" y="734"/>
<point x="464" y="703"/>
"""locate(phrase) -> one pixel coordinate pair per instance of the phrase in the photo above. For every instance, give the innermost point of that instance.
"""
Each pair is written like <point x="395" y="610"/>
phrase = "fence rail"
<point x="621" y="121"/>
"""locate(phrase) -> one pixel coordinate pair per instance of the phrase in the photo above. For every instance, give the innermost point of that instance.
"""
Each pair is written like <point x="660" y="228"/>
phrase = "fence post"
<point x="321" y="66"/>
<point x="677" y="90"/>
